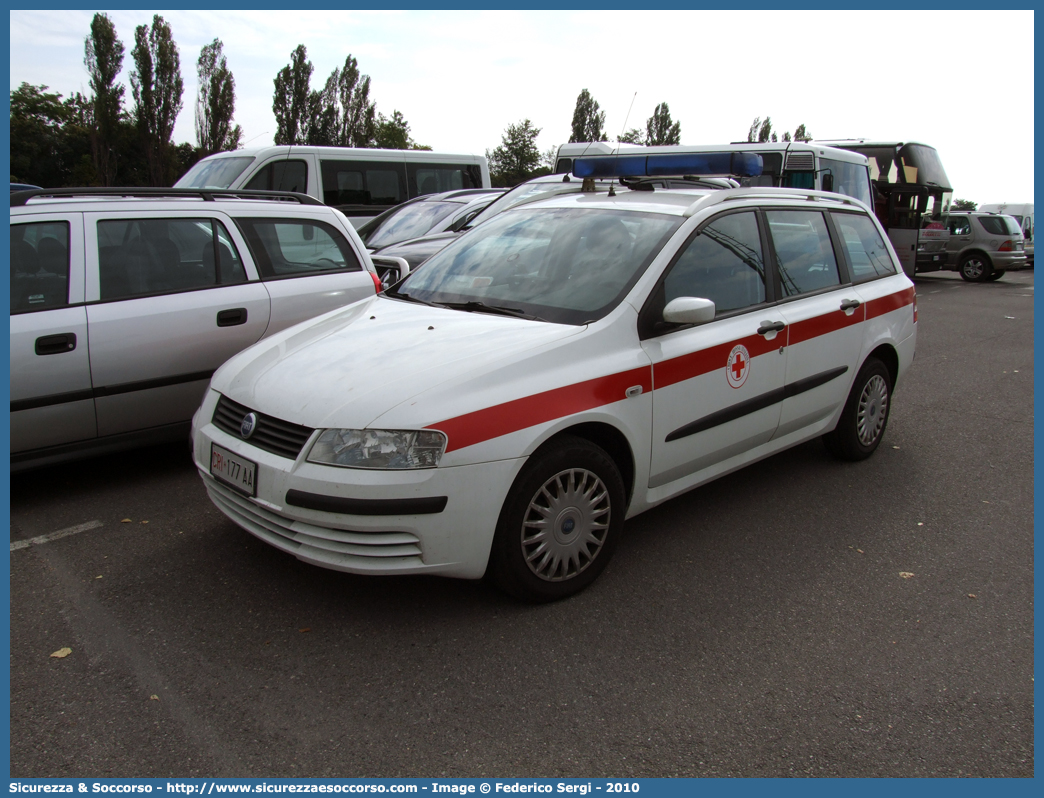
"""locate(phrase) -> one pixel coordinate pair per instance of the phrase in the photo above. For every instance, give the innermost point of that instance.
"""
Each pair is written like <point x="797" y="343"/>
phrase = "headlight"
<point x="379" y="448"/>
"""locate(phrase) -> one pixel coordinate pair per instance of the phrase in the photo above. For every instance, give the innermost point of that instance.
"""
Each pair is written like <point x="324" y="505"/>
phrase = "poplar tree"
<point x="103" y="57"/>
<point x="215" y="102"/>
<point x="290" y="102"/>
<point x="157" y="88"/>
<point x="588" y="121"/>
<point x="660" y="129"/>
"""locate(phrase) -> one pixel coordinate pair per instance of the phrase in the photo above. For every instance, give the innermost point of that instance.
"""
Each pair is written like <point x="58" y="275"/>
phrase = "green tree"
<point x="765" y="132"/>
<point x="358" y="111"/>
<point x="632" y="136"/>
<point x="37" y="121"/>
<point x="290" y="100"/>
<point x="588" y="121"/>
<point x="215" y="102"/>
<point x="752" y="131"/>
<point x="800" y="134"/>
<point x="103" y="57"/>
<point x="393" y="133"/>
<point x="659" y="129"/>
<point x="958" y="204"/>
<point x="157" y="88"/>
<point x="324" y="115"/>
<point x="517" y="158"/>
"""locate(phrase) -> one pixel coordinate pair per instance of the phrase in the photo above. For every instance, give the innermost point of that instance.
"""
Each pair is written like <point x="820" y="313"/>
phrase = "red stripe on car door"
<point x="886" y="304"/>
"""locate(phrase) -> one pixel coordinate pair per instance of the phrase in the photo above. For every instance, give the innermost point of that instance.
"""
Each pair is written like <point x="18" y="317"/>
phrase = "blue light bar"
<point x="699" y="164"/>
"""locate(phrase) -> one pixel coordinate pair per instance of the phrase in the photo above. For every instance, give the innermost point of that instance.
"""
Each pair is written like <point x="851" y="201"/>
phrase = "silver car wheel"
<point x="566" y="525"/>
<point x="872" y="411"/>
<point x="974" y="268"/>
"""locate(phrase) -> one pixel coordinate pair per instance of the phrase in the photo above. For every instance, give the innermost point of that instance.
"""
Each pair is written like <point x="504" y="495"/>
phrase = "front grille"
<point x="271" y="434"/>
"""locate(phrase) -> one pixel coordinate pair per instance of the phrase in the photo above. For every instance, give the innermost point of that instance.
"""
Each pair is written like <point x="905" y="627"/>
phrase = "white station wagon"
<point x="562" y="367"/>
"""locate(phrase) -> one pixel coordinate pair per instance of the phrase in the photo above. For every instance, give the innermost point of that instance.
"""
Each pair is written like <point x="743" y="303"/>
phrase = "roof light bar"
<point x="702" y="164"/>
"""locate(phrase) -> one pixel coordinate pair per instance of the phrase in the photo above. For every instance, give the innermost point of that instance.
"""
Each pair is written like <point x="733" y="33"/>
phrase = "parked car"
<point x="567" y="364"/>
<point x="125" y="301"/>
<point x="1021" y="212"/>
<point x="983" y="246"/>
<point x="423" y="216"/>
<point x="396" y="260"/>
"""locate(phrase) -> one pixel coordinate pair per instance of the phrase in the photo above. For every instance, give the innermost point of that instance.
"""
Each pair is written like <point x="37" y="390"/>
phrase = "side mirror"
<point x="688" y="310"/>
<point x="828" y="182"/>
<point x="308" y="232"/>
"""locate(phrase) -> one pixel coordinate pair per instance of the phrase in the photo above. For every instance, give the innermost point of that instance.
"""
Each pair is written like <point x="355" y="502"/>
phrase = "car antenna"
<point x="618" y="142"/>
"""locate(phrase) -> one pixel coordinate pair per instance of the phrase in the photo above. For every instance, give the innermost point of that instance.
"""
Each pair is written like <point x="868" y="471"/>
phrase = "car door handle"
<point x="850" y="304"/>
<point x="232" y="317"/>
<point x="55" y="344"/>
<point x="770" y="327"/>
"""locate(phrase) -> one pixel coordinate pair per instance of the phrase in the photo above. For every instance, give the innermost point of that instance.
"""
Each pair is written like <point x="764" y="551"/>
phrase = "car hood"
<point x="351" y="366"/>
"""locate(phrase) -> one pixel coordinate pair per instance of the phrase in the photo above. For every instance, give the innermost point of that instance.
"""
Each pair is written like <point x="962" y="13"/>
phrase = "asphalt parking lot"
<point x="800" y="617"/>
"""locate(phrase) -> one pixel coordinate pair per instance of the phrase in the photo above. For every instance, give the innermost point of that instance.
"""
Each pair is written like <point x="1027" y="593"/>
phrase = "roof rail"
<point x="20" y="198"/>
<point x="771" y="193"/>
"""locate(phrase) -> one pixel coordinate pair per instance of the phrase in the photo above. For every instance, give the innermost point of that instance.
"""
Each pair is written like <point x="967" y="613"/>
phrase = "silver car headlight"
<point x="379" y="448"/>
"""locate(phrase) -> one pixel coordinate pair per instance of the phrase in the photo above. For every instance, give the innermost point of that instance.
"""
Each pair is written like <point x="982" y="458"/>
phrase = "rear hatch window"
<point x="999" y="225"/>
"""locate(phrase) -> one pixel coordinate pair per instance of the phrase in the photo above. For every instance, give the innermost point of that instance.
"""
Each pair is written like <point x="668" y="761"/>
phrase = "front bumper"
<point x="373" y="537"/>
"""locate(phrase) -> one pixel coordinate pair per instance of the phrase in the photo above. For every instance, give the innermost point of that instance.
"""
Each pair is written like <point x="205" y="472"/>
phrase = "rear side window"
<point x="723" y="263"/>
<point x="960" y="226"/>
<point x="999" y="225"/>
<point x="39" y="266"/>
<point x="803" y="251"/>
<point x="867" y="252"/>
<point x="138" y="257"/>
<point x="281" y="176"/>
<point x="296" y="248"/>
<point x="363" y="183"/>
<point x="434" y="178"/>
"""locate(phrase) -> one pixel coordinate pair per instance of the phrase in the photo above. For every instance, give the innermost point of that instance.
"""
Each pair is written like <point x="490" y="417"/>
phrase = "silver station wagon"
<point x="125" y="301"/>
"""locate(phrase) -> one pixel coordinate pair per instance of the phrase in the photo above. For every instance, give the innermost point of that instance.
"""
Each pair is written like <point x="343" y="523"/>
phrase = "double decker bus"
<point x="912" y="196"/>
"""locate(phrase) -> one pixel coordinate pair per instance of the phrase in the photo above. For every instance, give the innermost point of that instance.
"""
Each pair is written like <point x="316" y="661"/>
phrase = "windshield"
<point x="564" y="265"/>
<point x="214" y="173"/>
<point x="409" y="221"/>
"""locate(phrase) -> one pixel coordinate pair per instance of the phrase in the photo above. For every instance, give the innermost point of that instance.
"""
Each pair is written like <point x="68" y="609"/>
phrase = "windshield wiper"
<point x="400" y="295"/>
<point x="482" y="307"/>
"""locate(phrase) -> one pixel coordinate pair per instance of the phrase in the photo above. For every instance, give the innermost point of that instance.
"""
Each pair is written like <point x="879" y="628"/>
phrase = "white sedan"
<point x="564" y="366"/>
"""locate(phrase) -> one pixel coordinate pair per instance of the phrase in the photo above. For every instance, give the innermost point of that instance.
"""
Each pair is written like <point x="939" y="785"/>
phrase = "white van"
<point x="360" y="183"/>
<point x="1023" y="213"/>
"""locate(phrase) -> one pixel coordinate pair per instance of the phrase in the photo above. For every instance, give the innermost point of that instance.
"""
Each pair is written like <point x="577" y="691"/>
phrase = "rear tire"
<point x="560" y="522"/>
<point x="975" y="268"/>
<point x="996" y="275"/>
<point x="862" y="424"/>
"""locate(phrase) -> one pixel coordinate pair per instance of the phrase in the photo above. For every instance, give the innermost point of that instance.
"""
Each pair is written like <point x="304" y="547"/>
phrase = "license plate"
<point x="935" y="257"/>
<point x="233" y="470"/>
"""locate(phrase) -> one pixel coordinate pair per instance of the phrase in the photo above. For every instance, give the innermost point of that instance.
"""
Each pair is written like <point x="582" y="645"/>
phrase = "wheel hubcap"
<point x="565" y="525"/>
<point x="973" y="268"/>
<point x="873" y="410"/>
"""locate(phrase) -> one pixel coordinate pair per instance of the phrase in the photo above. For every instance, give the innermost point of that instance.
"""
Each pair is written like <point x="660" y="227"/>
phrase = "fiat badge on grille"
<point x="246" y="429"/>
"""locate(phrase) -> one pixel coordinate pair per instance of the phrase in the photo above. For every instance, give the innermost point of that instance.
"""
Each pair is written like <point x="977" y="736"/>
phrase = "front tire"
<point x="560" y="522"/>
<point x="862" y="424"/>
<point x="975" y="268"/>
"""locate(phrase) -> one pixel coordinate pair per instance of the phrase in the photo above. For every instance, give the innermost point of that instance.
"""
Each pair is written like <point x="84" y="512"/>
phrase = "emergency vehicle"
<point x="566" y="365"/>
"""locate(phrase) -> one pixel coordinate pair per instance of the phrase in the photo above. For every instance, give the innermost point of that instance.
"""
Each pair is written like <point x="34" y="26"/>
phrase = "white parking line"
<point x="61" y="533"/>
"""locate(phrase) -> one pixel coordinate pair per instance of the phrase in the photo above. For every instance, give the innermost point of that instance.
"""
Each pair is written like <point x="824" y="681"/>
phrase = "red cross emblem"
<point x="738" y="366"/>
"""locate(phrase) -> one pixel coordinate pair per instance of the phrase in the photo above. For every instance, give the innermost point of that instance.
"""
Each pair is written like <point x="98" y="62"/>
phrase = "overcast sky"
<point x="961" y="81"/>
